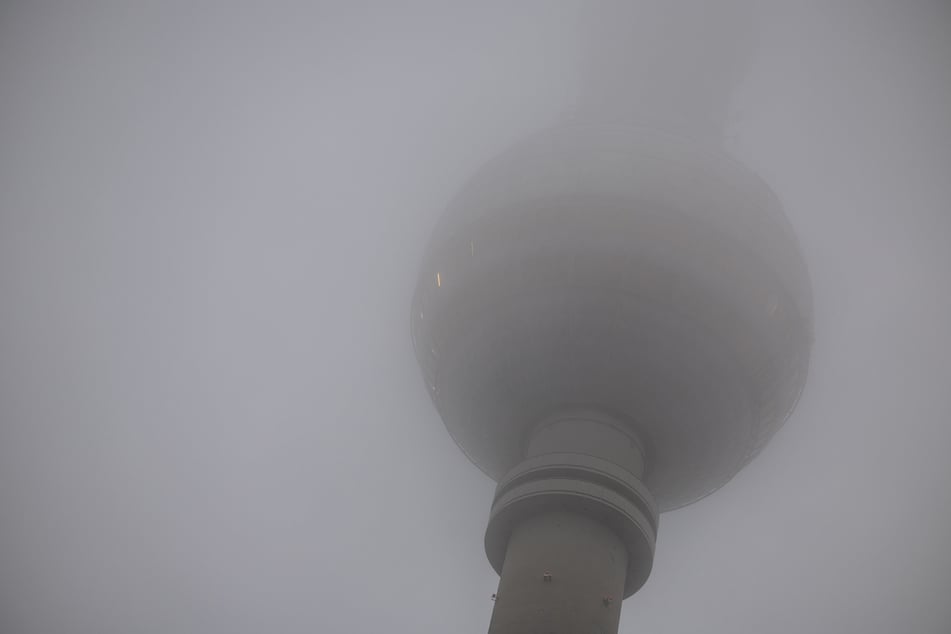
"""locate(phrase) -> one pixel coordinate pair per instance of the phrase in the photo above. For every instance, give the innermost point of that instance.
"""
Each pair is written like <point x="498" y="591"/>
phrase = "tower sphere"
<point x="624" y="273"/>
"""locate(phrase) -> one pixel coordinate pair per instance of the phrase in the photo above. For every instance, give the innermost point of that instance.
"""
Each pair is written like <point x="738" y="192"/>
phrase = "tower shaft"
<point x="564" y="573"/>
<point x="572" y="528"/>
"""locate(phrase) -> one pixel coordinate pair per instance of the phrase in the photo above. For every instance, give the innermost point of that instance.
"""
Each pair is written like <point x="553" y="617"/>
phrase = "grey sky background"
<point x="211" y="218"/>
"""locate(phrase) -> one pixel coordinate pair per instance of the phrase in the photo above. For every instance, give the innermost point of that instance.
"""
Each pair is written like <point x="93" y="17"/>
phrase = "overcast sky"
<point x="211" y="219"/>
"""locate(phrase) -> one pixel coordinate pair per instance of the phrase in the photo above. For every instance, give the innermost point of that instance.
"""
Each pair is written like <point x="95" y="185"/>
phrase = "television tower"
<point x="611" y="321"/>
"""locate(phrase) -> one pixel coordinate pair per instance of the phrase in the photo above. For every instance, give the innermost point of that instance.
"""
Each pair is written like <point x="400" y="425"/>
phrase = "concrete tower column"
<point x="563" y="573"/>
<point x="571" y="530"/>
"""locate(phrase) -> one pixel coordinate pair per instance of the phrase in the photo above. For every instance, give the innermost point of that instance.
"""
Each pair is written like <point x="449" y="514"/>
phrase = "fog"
<point x="211" y="222"/>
